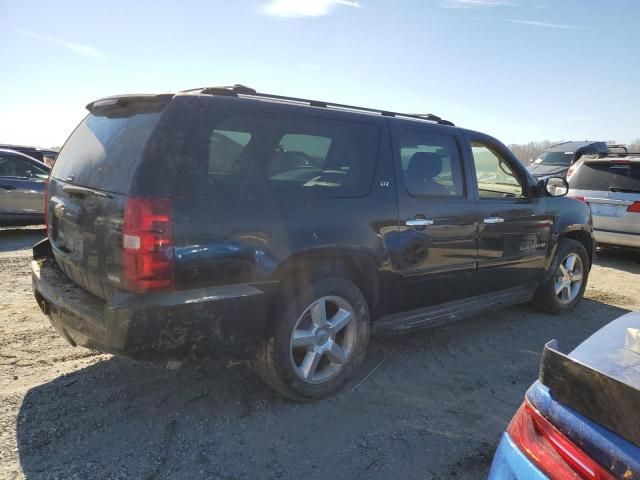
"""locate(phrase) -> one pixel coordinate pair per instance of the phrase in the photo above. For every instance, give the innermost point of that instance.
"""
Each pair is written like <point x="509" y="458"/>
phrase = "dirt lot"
<point x="430" y="405"/>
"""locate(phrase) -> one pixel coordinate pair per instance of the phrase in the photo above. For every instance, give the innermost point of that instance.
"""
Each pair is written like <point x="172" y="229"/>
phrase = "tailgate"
<point x="85" y="230"/>
<point x="613" y="213"/>
<point x="89" y="185"/>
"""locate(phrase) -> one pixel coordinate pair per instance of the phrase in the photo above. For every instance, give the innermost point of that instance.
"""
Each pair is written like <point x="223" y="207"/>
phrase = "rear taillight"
<point x="634" y="207"/>
<point x="147" y="245"/>
<point x="550" y="450"/>
<point x="579" y="197"/>
<point x="46" y="206"/>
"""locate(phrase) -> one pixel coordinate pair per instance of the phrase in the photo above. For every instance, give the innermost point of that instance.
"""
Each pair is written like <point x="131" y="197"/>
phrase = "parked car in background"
<point x="22" y="186"/>
<point x="610" y="185"/>
<point x="557" y="159"/>
<point x="225" y="222"/>
<point x="580" y="420"/>
<point x="46" y="156"/>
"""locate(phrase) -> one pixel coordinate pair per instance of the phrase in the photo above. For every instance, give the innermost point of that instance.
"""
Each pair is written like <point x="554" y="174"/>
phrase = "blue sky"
<point x="518" y="69"/>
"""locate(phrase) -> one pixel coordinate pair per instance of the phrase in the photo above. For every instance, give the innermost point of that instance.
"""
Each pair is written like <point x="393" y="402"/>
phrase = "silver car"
<point x="611" y="187"/>
<point x="22" y="184"/>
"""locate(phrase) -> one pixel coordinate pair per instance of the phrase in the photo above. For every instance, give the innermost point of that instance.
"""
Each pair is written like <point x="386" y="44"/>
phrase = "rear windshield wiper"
<point x="84" y="191"/>
<point x="624" y="190"/>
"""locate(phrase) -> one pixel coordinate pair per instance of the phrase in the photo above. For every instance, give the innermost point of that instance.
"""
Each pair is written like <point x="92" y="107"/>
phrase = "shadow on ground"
<point x="20" y="238"/>
<point x="428" y="405"/>
<point x="626" y="260"/>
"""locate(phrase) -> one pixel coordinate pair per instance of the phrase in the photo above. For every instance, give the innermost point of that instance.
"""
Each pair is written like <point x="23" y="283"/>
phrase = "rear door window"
<point x="605" y="176"/>
<point x="104" y="150"/>
<point x="280" y="155"/>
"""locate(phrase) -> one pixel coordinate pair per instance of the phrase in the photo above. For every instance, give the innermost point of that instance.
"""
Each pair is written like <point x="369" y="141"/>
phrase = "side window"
<point x="496" y="179"/>
<point x="299" y="151"/>
<point x="225" y="147"/>
<point x="431" y="164"/>
<point x="13" y="166"/>
<point x="281" y="155"/>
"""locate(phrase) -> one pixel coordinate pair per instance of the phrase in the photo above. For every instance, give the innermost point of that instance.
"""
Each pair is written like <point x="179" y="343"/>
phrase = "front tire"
<point x="566" y="279"/>
<point x="319" y="337"/>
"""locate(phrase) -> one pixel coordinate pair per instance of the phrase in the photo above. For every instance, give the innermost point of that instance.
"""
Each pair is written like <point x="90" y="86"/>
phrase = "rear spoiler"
<point x="599" y="397"/>
<point x="123" y="101"/>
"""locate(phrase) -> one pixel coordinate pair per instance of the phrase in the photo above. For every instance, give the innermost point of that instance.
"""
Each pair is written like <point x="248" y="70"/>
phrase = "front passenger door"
<point x="514" y="227"/>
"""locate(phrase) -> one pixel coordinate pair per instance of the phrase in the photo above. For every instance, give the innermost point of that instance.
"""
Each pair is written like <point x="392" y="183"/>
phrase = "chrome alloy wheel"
<point x="569" y="278"/>
<point x="323" y="339"/>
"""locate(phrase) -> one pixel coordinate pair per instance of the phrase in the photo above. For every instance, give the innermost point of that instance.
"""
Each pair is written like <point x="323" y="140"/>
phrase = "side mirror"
<point x="556" y="186"/>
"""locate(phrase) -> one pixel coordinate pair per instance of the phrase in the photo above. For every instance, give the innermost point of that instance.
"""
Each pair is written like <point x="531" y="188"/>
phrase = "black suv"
<point x="225" y="222"/>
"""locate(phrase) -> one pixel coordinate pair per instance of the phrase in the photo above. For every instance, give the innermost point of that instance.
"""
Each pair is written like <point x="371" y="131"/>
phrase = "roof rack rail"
<point x="618" y="145"/>
<point x="242" y="90"/>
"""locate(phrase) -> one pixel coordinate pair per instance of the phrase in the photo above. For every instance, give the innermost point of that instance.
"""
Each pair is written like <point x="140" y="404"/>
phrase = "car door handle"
<point x="493" y="220"/>
<point x="8" y="187"/>
<point x="418" y="222"/>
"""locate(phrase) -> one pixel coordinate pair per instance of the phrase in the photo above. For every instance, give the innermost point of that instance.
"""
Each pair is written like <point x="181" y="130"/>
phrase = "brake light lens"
<point x="147" y="245"/>
<point x="634" y="207"/>
<point x="579" y="197"/>
<point x="550" y="450"/>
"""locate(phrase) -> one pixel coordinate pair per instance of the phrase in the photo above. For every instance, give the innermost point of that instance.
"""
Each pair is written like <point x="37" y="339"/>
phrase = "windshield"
<point x="555" y="158"/>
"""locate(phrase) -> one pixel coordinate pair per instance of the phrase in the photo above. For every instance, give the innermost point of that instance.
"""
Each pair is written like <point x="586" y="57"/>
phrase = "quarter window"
<point x="496" y="178"/>
<point x="278" y="155"/>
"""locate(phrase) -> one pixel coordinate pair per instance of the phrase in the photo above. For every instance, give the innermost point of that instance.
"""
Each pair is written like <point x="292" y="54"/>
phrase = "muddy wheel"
<point x="319" y="337"/>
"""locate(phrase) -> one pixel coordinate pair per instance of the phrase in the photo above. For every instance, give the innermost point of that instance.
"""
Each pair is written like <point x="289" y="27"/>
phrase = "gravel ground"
<point x="428" y="405"/>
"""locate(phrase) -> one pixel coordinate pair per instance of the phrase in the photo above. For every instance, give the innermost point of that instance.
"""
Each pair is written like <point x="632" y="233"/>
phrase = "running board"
<point x="405" y="322"/>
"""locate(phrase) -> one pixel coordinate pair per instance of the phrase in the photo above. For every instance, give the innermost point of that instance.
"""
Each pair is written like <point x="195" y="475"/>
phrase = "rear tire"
<point x="566" y="279"/>
<point x="319" y="336"/>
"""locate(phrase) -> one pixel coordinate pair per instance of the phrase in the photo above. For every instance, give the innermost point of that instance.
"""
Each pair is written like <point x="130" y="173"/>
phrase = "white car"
<point x="611" y="187"/>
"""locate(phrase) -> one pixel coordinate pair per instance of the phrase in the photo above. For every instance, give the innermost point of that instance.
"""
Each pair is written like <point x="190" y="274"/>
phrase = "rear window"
<point x="269" y="154"/>
<point x="605" y="176"/>
<point x="105" y="149"/>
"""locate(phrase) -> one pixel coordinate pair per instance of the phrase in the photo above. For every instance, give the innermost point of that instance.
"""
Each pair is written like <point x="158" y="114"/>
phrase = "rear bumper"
<point x="219" y="321"/>
<point x="510" y="463"/>
<point x="617" y="238"/>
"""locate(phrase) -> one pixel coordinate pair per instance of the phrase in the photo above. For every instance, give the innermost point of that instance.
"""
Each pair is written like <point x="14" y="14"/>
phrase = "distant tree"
<point x="634" y="146"/>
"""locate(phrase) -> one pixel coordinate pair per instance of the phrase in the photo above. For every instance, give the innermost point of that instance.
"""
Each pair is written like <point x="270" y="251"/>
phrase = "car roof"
<point x="243" y="92"/>
<point x="25" y="148"/>
<point x="21" y="154"/>
<point x="572" y="146"/>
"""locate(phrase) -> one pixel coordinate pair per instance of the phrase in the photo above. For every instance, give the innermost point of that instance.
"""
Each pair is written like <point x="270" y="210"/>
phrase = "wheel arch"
<point x="355" y="264"/>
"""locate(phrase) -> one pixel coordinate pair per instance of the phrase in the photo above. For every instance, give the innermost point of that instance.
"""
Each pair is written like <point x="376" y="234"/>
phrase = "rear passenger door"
<point x="434" y="251"/>
<point x="514" y="226"/>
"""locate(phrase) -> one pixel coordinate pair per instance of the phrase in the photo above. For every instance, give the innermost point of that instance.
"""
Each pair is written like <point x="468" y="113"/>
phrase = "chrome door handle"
<point x="493" y="220"/>
<point x="418" y="222"/>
